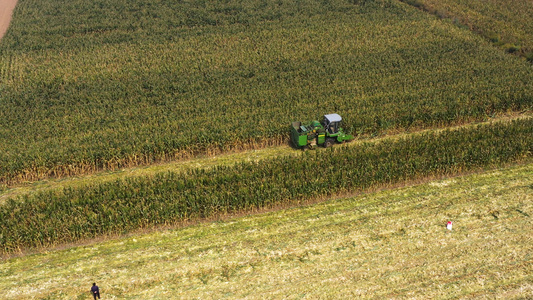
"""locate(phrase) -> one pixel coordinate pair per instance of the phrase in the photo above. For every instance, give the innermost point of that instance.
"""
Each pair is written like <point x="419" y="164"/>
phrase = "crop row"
<point x="72" y="214"/>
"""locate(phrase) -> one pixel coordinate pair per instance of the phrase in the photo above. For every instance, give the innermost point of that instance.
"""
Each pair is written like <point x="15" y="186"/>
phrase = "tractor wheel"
<point x="329" y="142"/>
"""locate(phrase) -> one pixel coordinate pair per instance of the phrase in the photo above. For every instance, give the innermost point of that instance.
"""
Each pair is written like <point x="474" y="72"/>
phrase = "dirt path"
<point x="6" y="10"/>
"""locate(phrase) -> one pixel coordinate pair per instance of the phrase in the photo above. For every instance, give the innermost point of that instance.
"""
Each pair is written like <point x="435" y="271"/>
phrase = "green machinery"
<point x="324" y="133"/>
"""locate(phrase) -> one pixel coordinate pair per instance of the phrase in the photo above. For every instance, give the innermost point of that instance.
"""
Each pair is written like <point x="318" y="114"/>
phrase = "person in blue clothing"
<point x="95" y="291"/>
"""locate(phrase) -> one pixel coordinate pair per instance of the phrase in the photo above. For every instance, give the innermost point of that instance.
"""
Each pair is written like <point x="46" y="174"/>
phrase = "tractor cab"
<point x="332" y="123"/>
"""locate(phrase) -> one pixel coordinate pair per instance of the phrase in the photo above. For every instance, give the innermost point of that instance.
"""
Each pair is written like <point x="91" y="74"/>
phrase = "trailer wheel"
<point x="329" y="142"/>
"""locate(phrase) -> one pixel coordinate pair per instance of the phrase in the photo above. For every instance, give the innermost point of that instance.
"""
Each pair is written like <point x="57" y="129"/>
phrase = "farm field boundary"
<point x="38" y="220"/>
<point x="386" y="244"/>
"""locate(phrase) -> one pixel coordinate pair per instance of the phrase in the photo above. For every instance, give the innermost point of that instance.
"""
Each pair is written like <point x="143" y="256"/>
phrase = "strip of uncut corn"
<point x="122" y="206"/>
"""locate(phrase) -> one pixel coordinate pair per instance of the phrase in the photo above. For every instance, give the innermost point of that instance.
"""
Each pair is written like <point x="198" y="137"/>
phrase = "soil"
<point x="6" y="10"/>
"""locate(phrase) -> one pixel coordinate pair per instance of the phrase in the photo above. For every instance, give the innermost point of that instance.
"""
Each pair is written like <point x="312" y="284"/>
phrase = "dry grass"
<point x="388" y="244"/>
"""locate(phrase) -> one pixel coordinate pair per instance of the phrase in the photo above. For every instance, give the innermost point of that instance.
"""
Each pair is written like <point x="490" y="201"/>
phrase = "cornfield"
<point x="505" y="23"/>
<point x="86" y="86"/>
<point x="53" y="217"/>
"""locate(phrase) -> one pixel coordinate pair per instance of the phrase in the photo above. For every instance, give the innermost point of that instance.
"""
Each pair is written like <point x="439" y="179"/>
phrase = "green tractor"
<point x="325" y="133"/>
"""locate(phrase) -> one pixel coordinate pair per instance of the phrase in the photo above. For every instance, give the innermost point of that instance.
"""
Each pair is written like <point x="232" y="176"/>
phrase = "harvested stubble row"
<point x="54" y="217"/>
